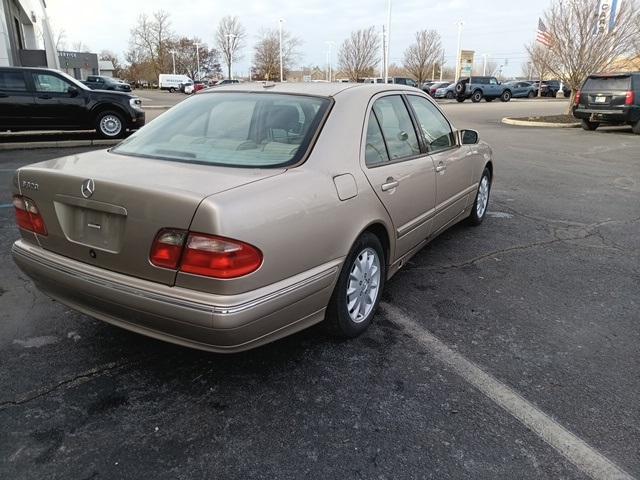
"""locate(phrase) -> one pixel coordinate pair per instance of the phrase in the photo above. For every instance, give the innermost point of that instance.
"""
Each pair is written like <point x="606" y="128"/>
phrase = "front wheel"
<point x="450" y="95"/>
<point x="531" y="94"/>
<point x="506" y="96"/>
<point x="589" y="125"/>
<point x="479" y="210"/>
<point x="110" y="125"/>
<point x="476" y="97"/>
<point x="357" y="293"/>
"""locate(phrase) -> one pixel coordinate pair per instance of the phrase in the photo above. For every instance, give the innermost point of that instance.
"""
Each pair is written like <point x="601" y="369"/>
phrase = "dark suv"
<point x="96" y="82"/>
<point x="609" y="98"/>
<point x="45" y="99"/>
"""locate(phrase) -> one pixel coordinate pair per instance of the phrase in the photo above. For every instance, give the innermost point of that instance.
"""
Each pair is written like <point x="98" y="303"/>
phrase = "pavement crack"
<point x="67" y="383"/>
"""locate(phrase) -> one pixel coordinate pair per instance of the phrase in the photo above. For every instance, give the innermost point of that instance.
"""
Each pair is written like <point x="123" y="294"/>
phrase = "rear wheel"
<point x="450" y="95"/>
<point x="636" y="128"/>
<point x="479" y="210"/>
<point x="506" y="96"/>
<point x="110" y="125"/>
<point x="357" y="293"/>
<point x="477" y="96"/>
<point x="589" y="125"/>
<point x="460" y="99"/>
<point x="171" y="89"/>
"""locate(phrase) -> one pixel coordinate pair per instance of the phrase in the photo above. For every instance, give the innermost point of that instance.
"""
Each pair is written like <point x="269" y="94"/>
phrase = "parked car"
<point x="188" y="84"/>
<point x="162" y="235"/>
<point x="226" y="81"/>
<point x="433" y="88"/>
<point x="45" y="99"/>
<point x="520" y="89"/>
<point x="477" y="88"/>
<point x="172" y="82"/>
<point x="97" y="82"/>
<point x="426" y="85"/>
<point x="446" y="92"/>
<point x="611" y="99"/>
<point x="194" y="87"/>
<point x="396" y="80"/>
<point x="550" y="88"/>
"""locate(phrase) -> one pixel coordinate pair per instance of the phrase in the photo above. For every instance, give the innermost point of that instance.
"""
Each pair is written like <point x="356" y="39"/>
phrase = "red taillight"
<point x="631" y="98"/>
<point x="28" y="216"/>
<point x="219" y="257"/>
<point x="167" y="248"/>
<point x="201" y="254"/>
<point x="578" y="96"/>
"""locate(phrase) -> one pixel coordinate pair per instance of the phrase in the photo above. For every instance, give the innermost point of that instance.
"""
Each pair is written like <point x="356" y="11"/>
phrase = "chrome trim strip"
<point x="171" y="300"/>
<point x="454" y="199"/>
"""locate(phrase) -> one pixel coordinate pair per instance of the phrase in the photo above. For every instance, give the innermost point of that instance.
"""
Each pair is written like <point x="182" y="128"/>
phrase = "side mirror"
<point x="72" y="91"/>
<point x="469" y="137"/>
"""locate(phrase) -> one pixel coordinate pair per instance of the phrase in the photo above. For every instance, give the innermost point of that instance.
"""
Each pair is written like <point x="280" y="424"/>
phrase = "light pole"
<point x="459" y="52"/>
<point x="197" y="45"/>
<point x="173" y="57"/>
<point x="386" y="53"/>
<point x="280" y="37"/>
<point x="229" y="37"/>
<point x="330" y="58"/>
<point x="484" y="68"/>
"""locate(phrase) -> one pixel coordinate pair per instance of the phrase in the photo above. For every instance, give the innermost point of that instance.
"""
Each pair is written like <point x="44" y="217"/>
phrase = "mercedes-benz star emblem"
<point x="88" y="187"/>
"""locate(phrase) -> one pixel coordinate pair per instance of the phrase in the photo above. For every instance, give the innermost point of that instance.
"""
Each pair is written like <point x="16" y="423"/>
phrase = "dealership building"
<point x="26" y="39"/>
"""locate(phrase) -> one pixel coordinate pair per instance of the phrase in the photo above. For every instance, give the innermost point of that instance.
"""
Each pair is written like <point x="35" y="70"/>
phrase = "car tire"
<point x="588" y="125"/>
<point x="172" y="90"/>
<point x="531" y="94"/>
<point x="110" y="124"/>
<point x="506" y="96"/>
<point x="460" y="99"/>
<point x="461" y="87"/>
<point x="355" y="286"/>
<point x="636" y="128"/>
<point x="476" y="96"/>
<point x="450" y="95"/>
<point x="481" y="203"/>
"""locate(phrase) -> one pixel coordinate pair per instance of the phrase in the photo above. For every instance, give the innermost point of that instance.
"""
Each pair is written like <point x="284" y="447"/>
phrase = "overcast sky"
<point x="499" y="28"/>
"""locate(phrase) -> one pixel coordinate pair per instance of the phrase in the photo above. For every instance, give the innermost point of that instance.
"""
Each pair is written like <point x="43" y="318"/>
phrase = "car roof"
<point x="321" y="89"/>
<point x="613" y="74"/>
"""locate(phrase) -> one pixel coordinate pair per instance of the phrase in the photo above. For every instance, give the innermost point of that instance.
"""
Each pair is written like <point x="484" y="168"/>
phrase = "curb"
<point x="57" y="144"/>
<point x="526" y="123"/>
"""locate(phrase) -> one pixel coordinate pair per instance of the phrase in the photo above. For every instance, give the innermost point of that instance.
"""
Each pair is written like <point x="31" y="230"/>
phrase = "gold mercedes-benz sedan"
<point x="250" y="212"/>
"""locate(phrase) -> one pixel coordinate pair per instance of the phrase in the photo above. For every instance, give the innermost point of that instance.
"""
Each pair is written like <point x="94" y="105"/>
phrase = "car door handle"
<point x="441" y="168"/>
<point x="390" y="185"/>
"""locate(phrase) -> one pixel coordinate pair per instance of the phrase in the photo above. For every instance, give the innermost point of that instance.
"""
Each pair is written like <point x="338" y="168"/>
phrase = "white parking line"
<point x="574" y="449"/>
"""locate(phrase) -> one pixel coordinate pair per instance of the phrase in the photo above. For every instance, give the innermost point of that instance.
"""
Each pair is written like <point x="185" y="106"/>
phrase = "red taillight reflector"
<point x="578" y="97"/>
<point x="631" y="98"/>
<point x="167" y="248"/>
<point x="28" y="216"/>
<point x="219" y="257"/>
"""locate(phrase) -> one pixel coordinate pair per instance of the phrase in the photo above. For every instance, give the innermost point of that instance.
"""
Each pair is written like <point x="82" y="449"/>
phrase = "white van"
<point x="171" y="82"/>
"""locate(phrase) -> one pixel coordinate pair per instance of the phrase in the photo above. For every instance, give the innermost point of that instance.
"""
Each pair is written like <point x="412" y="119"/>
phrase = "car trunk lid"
<point x="606" y="92"/>
<point x="105" y="209"/>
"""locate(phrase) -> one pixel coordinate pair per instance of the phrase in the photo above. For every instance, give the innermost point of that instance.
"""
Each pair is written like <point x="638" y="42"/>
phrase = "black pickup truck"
<point x="97" y="82"/>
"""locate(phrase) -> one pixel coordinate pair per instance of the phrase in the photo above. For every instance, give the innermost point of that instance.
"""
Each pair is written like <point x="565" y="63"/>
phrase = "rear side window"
<point x="232" y="129"/>
<point x="12" y="82"/>
<point x="397" y="128"/>
<point x="607" y="83"/>
<point x="376" y="151"/>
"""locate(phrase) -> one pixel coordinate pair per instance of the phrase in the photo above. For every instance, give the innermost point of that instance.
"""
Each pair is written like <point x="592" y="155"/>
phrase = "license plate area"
<point x="93" y="227"/>
<point x="601" y="99"/>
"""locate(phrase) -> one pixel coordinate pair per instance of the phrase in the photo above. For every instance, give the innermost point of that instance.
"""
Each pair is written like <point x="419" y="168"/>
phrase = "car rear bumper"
<point x="621" y="115"/>
<point x="217" y="323"/>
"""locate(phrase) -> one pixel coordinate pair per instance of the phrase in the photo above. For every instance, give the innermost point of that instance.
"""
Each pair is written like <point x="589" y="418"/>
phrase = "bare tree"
<point x="151" y="38"/>
<point x="266" y="57"/>
<point x="541" y="59"/>
<point x="80" y="46"/>
<point x="230" y="37"/>
<point x="528" y="71"/>
<point x="359" y="54"/>
<point x="187" y="62"/>
<point x="578" y="48"/>
<point x="421" y="56"/>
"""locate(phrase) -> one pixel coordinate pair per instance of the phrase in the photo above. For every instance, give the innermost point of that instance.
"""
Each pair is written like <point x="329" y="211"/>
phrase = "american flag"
<point x="543" y="36"/>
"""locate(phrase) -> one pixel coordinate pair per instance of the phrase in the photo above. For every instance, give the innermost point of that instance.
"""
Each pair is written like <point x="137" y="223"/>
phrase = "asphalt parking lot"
<point x="510" y="350"/>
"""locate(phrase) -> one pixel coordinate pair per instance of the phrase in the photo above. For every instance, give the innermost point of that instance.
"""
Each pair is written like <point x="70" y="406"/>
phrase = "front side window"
<point x="45" y="82"/>
<point x="435" y="128"/>
<point x="232" y="129"/>
<point x="493" y="81"/>
<point x="12" y="82"/>
<point x="397" y="128"/>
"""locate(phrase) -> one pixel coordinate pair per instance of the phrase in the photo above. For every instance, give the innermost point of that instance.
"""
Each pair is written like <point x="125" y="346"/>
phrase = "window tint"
<point x="436" y="129"/>
<point x="397" y="128"/>
<point x="50" y="83"/>
<point x="12" y="81"/>
<point x="232" y="129"/>
<point x="607" y="83"/>
<point x="376" y="151"/>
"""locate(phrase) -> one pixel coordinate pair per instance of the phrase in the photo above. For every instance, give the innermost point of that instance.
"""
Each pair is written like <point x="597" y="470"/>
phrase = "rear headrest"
<point x="283" y="117"/>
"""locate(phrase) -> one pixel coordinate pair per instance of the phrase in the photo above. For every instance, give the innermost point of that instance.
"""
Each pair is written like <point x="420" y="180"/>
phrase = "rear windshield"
<point x="607" y="83"/>
<point x="232" y="129"/>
